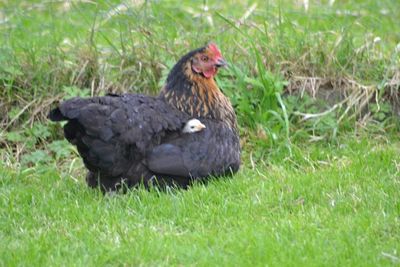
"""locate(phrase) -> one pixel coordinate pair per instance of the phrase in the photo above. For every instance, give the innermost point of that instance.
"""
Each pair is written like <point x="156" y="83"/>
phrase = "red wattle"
<point x="209" y="73"/>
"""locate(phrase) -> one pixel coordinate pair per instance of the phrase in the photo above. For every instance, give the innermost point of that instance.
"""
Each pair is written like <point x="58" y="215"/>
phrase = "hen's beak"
<point x="221" y="63"/>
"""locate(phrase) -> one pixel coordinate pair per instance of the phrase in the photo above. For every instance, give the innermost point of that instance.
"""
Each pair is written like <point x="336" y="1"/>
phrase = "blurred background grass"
<point x="298" y="69"/>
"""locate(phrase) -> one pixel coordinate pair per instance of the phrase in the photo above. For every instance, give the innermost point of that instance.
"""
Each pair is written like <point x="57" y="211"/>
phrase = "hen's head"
<point x="207" y="60"/>
<point x="200" y="63"/>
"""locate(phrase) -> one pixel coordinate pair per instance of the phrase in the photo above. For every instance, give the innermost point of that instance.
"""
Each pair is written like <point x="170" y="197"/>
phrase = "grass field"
<point x="327" y="206"/>
<point x="320" y="182"/>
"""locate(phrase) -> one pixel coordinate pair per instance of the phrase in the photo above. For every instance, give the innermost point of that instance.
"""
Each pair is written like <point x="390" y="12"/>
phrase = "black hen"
<point x="132" y="139"/>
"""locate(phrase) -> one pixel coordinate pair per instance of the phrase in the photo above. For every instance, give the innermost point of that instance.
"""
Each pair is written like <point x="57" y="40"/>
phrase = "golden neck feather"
<point x="199" y="97"/>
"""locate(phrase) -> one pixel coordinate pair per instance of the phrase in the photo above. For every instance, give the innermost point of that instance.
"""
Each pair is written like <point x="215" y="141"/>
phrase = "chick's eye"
<point x="204" y="58"/>
<point x="191" y="127"/>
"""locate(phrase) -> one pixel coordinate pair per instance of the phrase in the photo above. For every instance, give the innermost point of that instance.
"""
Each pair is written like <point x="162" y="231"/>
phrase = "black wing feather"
<point x="113" y="133"/>
<point x="167" y="159"/>
<point x="213" y="151"/>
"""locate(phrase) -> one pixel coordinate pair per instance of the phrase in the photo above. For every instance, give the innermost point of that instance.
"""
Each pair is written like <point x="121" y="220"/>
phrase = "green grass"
<point x="322" y="191"/>
<point x="335" y="205"/>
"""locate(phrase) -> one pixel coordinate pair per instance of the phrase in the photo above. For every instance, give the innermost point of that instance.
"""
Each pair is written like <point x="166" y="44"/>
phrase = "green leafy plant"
<point x="74" y="91"/>
<point x="36" y="157"/>
<point x="60" y="148"/>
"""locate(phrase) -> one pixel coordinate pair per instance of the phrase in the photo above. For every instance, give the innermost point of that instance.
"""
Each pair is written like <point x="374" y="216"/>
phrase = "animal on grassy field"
<point x="133" y="138"/>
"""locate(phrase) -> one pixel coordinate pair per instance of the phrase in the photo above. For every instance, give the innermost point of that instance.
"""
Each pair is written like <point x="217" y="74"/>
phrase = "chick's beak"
<point x="221" y="63"/>
<point x="200" y="127"/>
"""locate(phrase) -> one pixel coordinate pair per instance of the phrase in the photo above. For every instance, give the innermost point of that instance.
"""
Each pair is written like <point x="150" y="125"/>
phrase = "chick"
<point x="193" y="126"/>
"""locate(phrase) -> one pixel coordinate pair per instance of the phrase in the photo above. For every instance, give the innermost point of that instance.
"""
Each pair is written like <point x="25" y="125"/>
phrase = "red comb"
<point x="213" y="47"/>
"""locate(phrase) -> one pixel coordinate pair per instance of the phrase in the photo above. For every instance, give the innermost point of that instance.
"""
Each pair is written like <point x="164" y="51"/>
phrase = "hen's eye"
<point x="191" y="127"/>
<point x="204" y="58"/>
